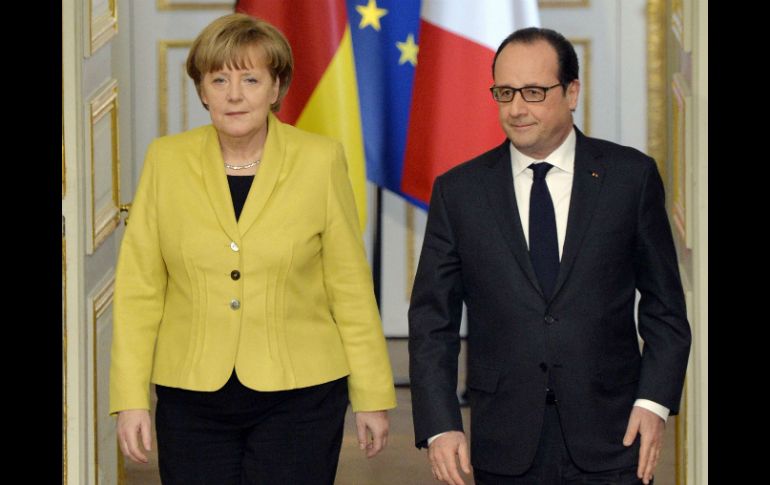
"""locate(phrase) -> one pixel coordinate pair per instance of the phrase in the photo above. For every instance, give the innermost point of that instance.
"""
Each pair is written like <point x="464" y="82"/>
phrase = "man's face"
<point x="536" y="129"/>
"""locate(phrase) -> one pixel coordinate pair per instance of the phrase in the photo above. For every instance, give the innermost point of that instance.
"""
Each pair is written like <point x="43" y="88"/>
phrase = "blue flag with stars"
<point x="385" y="38"/>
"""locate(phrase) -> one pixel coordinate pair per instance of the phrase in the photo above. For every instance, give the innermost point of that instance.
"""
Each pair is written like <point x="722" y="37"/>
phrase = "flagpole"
<point x="398" y="381"/>
<point x="377" y="248"/>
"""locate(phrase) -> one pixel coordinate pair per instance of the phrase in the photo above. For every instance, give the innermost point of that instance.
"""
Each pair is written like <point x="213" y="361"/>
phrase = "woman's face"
<point x="239" y="99"/>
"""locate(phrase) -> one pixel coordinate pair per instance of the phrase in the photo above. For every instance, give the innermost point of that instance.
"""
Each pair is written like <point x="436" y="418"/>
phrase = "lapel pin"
<point x="595" y="175"/>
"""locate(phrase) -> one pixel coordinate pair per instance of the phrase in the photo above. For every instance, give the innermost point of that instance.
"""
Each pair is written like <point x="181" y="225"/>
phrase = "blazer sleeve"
<point x="435" y="313"/>
<point x="662" y="314"/>
<point x="350" y="294"/>
<point x="140" y="286"/>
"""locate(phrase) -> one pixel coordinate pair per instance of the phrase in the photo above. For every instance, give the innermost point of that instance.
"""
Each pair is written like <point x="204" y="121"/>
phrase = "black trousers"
<point x="238" y="436"/>
<point x="554" y="466"/>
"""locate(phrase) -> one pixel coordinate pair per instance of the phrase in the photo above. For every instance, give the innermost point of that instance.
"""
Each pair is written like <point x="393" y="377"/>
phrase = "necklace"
<point x="241" y="167"/>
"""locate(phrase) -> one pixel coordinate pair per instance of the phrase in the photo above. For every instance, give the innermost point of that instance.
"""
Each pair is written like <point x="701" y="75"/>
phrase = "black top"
<point x="239" y="189"/>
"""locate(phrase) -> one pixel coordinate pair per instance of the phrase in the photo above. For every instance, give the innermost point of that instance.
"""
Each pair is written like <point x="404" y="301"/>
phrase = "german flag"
<point x="323" y="96"/>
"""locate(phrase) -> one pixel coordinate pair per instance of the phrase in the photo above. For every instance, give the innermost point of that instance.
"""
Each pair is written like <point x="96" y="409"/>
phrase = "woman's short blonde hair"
<point x="226" y="42"/>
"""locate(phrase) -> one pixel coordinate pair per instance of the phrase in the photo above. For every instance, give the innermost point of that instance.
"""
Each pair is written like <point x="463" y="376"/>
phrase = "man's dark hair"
<point x="568" y="61"/>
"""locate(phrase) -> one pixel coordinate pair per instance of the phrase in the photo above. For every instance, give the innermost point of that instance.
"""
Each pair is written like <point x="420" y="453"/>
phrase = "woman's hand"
<point x="133" y="423"/>
<point x="372" y="428"/>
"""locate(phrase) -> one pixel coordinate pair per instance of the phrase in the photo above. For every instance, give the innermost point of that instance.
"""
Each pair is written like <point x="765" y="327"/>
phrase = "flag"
<point x="453" y="117"/>
<point x="323" y="97"/>
<point x="385" y="44"/>
<point x="404" y="84"/>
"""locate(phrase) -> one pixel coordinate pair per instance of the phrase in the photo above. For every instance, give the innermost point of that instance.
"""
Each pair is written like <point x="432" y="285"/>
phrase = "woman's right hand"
<point x="133" y="423"/>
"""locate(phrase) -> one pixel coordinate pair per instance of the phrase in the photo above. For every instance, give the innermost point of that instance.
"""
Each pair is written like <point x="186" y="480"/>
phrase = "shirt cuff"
<point x="430" y="440"/>
<point x="656" y="408"/>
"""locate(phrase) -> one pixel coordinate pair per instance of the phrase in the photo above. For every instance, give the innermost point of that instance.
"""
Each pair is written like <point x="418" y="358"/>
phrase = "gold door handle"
<point x="125" y="208"/>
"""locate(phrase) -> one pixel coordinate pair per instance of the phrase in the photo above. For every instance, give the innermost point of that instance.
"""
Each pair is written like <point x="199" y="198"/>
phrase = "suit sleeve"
<point x="350" y="294"/>
<point x="662" y="314"/>
<point x="435" y="313"/>
<point x="140" y="287"/>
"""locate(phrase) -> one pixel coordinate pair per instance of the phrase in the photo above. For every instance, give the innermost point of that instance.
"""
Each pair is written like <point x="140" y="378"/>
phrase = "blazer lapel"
<point x="217" y="188"/>
<point x="267" y="175"/>
<point x="586" y="187"/>
<point x="498" y="180"/>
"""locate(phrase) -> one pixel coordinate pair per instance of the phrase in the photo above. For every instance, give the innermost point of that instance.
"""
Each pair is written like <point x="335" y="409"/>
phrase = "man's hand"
<point x="374" y="425"/>
<point x="443" y="453"/>
<point x="650" y="426"/>
<point x="133" y="424"/>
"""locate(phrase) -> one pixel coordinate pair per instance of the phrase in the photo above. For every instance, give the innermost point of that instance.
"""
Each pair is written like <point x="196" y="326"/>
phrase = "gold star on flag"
<point x="370" y="15"/>
<point x="408" y="51"/>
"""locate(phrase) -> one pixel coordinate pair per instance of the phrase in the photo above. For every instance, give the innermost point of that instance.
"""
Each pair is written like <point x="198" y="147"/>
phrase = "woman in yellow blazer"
<point x="242" y="289"/>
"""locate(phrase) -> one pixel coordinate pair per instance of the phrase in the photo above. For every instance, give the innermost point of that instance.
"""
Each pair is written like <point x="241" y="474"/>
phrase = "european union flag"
<point x="385" y="39"/>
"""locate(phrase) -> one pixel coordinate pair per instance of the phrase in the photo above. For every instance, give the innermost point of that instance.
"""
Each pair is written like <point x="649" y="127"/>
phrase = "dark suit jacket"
<point x="584" y="338"/>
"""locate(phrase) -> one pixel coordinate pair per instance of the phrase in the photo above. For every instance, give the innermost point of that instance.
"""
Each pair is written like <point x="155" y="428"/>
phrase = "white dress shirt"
<point x="558" y="179"/>
<point x="559" y="182"/>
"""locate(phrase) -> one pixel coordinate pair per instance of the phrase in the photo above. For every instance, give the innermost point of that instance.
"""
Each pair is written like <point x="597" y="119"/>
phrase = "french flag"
<point x="453" y="117"/>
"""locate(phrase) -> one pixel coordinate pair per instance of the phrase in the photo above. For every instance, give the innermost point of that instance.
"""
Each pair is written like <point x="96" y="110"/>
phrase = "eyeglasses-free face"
<point x="239" y="100"/>
<point x="531" y="94"/>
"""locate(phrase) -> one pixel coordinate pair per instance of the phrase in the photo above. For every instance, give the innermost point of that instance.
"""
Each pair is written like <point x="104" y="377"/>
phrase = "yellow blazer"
<point x="302" y="311"/>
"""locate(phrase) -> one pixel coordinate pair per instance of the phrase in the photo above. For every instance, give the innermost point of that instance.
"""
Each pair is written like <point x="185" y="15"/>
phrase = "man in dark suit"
<point x="547" y="239"/>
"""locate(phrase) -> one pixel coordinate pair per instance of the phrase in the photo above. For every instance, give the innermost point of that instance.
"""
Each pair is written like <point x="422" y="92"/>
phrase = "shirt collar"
<point x="563" y="157"/>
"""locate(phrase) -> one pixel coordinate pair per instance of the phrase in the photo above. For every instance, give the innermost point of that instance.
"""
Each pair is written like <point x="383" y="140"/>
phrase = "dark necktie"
<point x="543" y="243"/>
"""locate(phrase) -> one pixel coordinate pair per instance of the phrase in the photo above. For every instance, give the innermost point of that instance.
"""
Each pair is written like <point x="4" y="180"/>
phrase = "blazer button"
<point x="543" y="366"/>
<point x="234" y="246"/>
<point x="235" y="304"/>
<point x="549" y="319"/>
<point x="235" y="274"/>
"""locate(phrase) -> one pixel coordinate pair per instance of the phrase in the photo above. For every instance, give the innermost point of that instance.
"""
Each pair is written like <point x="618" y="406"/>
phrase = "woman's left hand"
<point x="372" y="428"/>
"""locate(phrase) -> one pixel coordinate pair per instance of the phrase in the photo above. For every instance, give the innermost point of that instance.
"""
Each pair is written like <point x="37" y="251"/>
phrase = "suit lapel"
<point x="498" y="180"/>
<point x="215" y="180"/>
<point x="586" y="187"/>
<point x="217" y="188"/>
<point x="267" y="176"/>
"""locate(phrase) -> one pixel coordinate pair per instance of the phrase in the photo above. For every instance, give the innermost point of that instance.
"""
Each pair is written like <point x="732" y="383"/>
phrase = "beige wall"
<point x="678" y="133"/>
